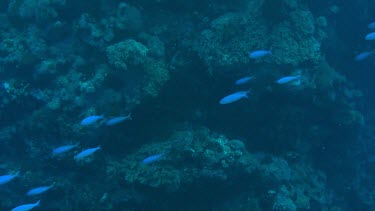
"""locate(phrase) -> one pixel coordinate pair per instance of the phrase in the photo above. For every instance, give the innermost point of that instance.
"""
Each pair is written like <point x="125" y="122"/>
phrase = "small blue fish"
<point x="86" y="152"/>
<point x="26" y="207"/>
<point x="363" y="56"/>
<point x="287" y="79"/>
<point x="117" y="120"/>
<point x="7" y="178"/>
<point x="371" y="25"/>
<point x="259" y="53"/>
<point x="234" y="97"/>
<point x="152" y="158"/>
<point x="370" y="36"/>
<point x="91" y="120"/>
<point x="243" y="80"/>
<point x="63" y="149"/>
<point x="38" y="190"/>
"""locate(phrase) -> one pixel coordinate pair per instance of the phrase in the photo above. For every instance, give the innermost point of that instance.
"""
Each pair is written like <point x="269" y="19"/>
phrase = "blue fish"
<point x="91" y="120"/>
<point x="117" y="120"/>
<point x="26" y="207"/>
<point x="152" y="158"/>
<point x="7" y="178"/>
<point x="38" y="190"/>
<point x="86" y="152"/>
<point x="370" y="36"/>
<point x="234" y="97"/>
<point x="363" y="56"/>
<point x="63" y="149"/>
<point x="371" y="25"/>
<point x="287" y="79"/>
<point x="243" y="80"/>
<point x="259" y="53"/>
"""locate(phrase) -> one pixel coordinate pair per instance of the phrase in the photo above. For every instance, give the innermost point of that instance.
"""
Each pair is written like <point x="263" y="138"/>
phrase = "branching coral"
<point x="232" y="36"/>
<point x="95" y="33"/>
<point x="23" y="48"/>
<point x="133" y="56"/>
<point x="201" y="153"/>
<point x="283" y="202"/>
<point x="41" y="10"/>
<point x="157" y="76"/>
<point x="288" y="47"/>
<point x="126" y="53"/>
<point x="127" y="18"/>
<point x="229" y="39"/>
<point x="191" y="157"/>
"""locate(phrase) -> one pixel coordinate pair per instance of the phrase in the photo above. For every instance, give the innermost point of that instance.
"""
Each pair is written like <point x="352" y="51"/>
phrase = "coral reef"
<point x="127" y="53"/>
<point x="193" y="157"/>
<point x="232" y="36"/>
<point x="41" y="11"/>
<point x="286" y="147"/>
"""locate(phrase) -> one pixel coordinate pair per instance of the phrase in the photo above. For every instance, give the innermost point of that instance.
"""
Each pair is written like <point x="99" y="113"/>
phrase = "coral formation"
<point x="232" y="36"/>
<point x="286" y="147"/>
<point x="193" y="156"/>
<point x="127" y="53"/>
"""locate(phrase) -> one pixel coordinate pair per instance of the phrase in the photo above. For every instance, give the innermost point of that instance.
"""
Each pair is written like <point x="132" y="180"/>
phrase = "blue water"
<point x="306" y="144"/>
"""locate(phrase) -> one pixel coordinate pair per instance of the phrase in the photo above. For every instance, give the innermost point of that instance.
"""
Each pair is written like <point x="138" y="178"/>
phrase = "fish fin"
<point x="130" y="116"/>
<point x="37" y="203"/>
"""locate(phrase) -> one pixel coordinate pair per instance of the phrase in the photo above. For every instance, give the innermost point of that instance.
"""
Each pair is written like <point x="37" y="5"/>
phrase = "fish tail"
<point x="247" y="93"/>
<point x="297" y="82"/>
<point x="53" y="184"/>
<point x="130" y="116"/>
<point x="270" y="50"/>
<point x="103" y="120"/>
